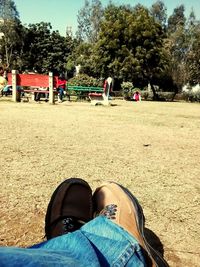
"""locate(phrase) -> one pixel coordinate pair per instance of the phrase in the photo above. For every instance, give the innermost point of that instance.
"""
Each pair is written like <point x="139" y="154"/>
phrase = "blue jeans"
<point x="61" y="93"/>
<point x="98" y="243"/>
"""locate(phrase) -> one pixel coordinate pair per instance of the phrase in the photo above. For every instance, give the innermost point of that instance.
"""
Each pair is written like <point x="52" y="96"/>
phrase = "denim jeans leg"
<point x="98" y="243"/>
<point x="113" y="245"/>
<point x="72" y="250"/>
<point x="61" y="93"/>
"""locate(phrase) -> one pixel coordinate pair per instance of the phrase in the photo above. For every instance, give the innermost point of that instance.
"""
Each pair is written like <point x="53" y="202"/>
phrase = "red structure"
<point x="34" y="80"/>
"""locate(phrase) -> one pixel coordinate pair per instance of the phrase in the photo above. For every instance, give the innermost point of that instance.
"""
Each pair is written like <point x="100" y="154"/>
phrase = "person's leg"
<point x="100" y="232"/>
<point x="61" y="93"/>
<point x="99" y="243"/>
<point x="120" y="206"/>
<point x="71" y="249"/>
<point x="113" y="245"/>
<point x="70" y="207"/>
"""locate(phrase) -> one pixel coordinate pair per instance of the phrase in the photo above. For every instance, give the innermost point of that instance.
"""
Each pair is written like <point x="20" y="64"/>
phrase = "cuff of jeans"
<point x="130" y="257"/>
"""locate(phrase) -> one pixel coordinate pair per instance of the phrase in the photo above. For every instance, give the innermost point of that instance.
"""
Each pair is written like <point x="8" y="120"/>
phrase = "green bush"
<point x="85" y="80"/>
<point x="167" y="96"/>
<point x="146" y="95"/>
<point x="191" y="96"/>
<point x="127" y="88"/>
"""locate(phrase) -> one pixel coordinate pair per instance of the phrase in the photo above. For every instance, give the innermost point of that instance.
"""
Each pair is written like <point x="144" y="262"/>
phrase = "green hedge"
<point x="85" y="80"/>
<point x="192" y="96"/>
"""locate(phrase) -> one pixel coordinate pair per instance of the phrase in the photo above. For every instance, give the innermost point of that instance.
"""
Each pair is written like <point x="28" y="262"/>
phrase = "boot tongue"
<point x="76" y="203"/>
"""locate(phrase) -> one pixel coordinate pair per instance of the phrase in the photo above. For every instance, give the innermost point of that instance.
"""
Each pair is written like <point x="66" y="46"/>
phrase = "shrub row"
<point x="85" y="80"/>
<point x="128" y="90"/>
<point x="191" y="96"/>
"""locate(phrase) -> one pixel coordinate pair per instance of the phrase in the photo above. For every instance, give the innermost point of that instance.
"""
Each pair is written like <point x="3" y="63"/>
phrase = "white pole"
<point x="14" y="86"/>
<point x="51" y="94"/>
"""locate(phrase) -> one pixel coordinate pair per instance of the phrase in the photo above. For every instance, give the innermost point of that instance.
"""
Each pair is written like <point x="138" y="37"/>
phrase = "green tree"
<point x="89" y="20"/>
<point x="84" y="57"/>
<point x="71" y="58"/>
<point x="130" y="45"/>
<point x="177" y="19"/>
<point x="192" y="61"/>
<point x="45" y="50"/>
<point x="177" y="45"/>
<point x="11" y="33"/>
<point x="159" y="12"/>
<point x="8" y="10"/>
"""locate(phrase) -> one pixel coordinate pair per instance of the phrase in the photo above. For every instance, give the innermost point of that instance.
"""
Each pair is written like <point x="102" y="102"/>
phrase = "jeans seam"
<point x="125" y="256"/>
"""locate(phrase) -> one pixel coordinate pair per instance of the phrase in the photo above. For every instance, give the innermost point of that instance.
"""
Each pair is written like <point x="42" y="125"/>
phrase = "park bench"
<point x="33" y="81"/>
<point x="103" y="97"/>
<point x="82" y="92"/>
<point x="36" y="93"/>
<point x="33" y="93"/>
<point x="97" y="95"/>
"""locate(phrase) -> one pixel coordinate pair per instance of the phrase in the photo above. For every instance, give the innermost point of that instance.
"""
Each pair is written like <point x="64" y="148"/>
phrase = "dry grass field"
<point x="151" y="148"/>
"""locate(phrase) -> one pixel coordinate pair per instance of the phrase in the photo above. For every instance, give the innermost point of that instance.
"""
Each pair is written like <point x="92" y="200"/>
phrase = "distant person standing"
<point x="61" y="87"/>
<point x="3" y="80"/>
<point x="137" y="96"/>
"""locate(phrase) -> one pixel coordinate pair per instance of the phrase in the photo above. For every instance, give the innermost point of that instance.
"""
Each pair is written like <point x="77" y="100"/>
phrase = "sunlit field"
<point x="151" y="148"/>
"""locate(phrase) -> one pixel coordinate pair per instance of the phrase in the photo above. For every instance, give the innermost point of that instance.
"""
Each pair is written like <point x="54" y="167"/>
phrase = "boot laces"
<point x="71" y="224"/>
<point x="109" y="211"/>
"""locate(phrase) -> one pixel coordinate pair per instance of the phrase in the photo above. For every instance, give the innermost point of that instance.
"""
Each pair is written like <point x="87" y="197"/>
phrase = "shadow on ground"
<point x="154" y="240"/>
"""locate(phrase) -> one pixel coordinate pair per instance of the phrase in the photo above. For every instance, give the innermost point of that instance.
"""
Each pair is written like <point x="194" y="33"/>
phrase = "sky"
<point x="63" y="13"/>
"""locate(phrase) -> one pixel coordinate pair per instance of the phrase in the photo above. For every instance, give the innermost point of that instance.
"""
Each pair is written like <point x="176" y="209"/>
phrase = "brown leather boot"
<point x="118" y="204"/>
<point x="69" y="208"/>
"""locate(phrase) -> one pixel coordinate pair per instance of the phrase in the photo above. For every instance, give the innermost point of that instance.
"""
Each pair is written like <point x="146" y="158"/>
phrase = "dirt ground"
<point x="151" y="148"/>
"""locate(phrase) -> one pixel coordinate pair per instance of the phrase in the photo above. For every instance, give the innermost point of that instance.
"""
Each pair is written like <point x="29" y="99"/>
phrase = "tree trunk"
<point x="6" y="50"/>
<point x="155" y="95"/>
<point x="174" y="94"/>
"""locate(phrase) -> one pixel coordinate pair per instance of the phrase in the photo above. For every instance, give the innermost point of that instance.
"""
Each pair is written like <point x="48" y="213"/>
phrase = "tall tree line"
<point x="141" y="45"/>
<point x="130" y="43"/>
<point x="35" y="47"/>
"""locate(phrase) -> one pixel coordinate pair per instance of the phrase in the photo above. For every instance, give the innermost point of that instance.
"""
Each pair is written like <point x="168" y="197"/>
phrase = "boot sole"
<point x="140" y="220"/>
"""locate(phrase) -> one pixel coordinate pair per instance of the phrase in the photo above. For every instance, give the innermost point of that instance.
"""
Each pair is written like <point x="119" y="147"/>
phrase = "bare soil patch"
<point x="151" y="148"/>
